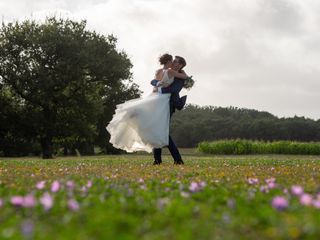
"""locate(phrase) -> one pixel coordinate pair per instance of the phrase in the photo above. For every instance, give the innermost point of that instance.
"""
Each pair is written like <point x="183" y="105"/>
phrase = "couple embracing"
<point x="142" y="124"/>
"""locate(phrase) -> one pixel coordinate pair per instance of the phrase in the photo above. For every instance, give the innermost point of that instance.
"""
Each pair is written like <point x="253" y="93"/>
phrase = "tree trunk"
<point x="86" y="148"/>
<point x="47" y="149"/>
<point x="65" y="151"/>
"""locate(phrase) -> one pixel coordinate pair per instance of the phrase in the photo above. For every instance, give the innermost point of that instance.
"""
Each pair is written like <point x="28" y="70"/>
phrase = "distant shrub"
<point x="259" y="147"/>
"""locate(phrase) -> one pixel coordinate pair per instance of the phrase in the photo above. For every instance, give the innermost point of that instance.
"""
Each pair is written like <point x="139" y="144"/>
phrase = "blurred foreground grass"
<point x="126" y="197"/>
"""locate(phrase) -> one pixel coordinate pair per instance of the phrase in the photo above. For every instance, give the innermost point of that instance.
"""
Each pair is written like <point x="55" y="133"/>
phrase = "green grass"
<point x="132" y="199"/>
<point x="259" y="147"/>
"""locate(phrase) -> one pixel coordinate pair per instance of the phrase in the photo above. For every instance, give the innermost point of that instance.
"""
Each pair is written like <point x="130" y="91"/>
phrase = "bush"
<point x="259" y="147"/>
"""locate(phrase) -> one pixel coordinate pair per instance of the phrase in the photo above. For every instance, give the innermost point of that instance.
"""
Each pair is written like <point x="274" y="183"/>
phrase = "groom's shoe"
<point x="157" y="162"/>
<point x="182" y="102"/>
<point x="179" y="162"/>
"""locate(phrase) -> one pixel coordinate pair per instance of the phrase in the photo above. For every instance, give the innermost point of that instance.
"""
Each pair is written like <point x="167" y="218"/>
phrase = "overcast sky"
<point x="259" y="54"/>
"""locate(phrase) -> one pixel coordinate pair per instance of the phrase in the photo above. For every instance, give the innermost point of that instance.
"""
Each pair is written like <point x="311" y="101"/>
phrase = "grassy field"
<point x="126" y="197"/>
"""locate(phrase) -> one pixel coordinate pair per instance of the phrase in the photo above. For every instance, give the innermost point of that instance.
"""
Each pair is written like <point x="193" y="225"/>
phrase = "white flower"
<point x="188" y="83"/>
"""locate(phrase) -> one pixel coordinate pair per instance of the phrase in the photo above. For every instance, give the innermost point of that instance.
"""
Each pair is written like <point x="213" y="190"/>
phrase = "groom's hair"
<point x="182" y="61"/>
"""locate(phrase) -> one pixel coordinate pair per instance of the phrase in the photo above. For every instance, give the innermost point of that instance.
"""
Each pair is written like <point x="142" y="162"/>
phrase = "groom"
<point x="175" y="103"/>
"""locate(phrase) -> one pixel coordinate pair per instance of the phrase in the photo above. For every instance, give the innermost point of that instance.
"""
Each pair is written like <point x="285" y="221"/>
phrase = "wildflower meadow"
<point x="126" y="197"/>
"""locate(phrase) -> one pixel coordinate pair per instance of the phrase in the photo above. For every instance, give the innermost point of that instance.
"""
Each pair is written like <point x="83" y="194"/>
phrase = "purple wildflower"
<point x="73" y="205"/>
<point x="70" y="185"/>
<point x="264" y="189"/>
<point x="27" y="229"/>
<point x="231" y="203"/>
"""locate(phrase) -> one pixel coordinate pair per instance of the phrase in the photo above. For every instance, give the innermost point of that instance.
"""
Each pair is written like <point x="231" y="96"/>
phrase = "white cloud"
<point x="260" y="54"/>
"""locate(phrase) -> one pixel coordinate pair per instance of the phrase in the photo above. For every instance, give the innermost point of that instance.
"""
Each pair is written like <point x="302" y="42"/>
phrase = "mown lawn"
<point x="126" y="197"/>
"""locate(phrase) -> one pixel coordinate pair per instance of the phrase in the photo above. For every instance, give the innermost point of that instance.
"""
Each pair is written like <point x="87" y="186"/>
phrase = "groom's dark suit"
<point x="175" y="103"/>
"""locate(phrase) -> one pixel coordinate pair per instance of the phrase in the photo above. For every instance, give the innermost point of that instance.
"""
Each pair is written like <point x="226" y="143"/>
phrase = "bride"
<point x="143" y="124"/>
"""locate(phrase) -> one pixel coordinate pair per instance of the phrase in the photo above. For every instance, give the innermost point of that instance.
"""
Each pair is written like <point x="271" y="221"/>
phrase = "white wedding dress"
<point x="142" y="124"/>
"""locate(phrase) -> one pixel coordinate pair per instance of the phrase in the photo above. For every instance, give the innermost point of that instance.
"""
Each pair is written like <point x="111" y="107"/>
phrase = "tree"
<point x="64" y="77"/>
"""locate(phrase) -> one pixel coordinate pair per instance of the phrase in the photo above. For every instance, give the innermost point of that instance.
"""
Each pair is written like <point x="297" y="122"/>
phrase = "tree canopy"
<point x="59" y="84"/>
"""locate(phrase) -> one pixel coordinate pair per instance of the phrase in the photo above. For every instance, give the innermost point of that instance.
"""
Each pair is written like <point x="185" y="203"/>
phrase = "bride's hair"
<point x="165" y="58"/>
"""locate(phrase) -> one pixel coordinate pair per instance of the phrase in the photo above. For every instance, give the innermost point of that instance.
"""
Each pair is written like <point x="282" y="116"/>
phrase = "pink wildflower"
<point x="196" y="187"/>
<point x="84" y="189"/>
<point x="20" y="201"/>
<point x="296" y="190"/>
<point x="55" y="186"/>
<point x="17" y="201"/>
<point x="253" y="181"/>
<point x="89" y="184"/>
<point x="46" y="201"/>
<point x="270" y="180"/>
<point x="306" y="199"/>
<point x="202" y="184"/>
<point x="271" y="185"/>
<point x="279" y="203"/>
<point x="29" y="201"/>
<point x="316" y="203"/>
<point x="40" y="185"/>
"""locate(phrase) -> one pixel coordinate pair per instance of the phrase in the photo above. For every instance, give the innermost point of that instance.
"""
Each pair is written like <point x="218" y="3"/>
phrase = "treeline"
<point x="196" y="124"/>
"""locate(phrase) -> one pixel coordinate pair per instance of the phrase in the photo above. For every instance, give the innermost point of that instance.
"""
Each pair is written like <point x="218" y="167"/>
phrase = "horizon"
<point x="252" y="109"/>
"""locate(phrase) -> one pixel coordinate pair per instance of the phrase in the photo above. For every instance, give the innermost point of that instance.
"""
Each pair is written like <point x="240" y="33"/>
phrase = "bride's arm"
<point x="176" y="74"/>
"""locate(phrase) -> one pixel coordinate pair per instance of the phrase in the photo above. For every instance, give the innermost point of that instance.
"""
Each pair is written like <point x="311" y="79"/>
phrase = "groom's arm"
<point x="175" y="87"/>
<point x="154" y="82"/>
